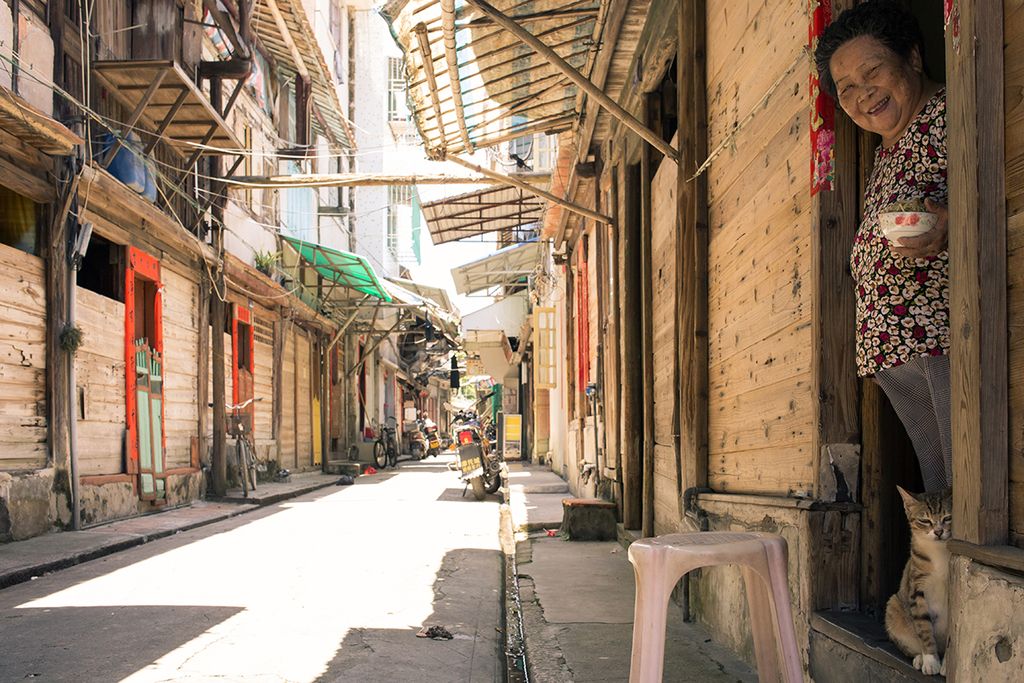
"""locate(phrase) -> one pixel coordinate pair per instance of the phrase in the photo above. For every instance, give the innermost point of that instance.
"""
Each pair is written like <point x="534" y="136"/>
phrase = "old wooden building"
<point x="141" y="295"/>
<point x="693" y="334"/>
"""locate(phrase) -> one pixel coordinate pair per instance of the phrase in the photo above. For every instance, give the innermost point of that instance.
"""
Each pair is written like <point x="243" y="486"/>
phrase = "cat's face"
<point x="930" y="514"/>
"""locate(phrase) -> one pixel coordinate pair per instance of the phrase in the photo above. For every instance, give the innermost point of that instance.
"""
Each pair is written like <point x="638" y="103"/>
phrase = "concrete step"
<point x="352" y="469"/>
<point x="545" y="488"/>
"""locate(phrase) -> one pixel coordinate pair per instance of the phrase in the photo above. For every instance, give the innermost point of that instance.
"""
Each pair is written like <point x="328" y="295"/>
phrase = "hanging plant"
<point x="265" y="262"/>
<point x="71" y="338"/>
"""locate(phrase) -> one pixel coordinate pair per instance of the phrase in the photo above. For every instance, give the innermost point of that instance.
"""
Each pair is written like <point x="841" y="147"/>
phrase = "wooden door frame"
<point x="146" y="267"/>
<point x="979" y="369"/>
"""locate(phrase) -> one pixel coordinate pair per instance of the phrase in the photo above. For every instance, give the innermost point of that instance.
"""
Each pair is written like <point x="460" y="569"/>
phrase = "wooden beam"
<point x="977" y="290"/>
<point x="452" y="60"/>
<point x="512" y="180"/>
<point x="377" y="179"/>
<point x="692" y="246"/>
<point x="171" y="113"/>
<point x="834" y="220"/>
<point x="377" y="342"/>
<point x="631" y="412"/>
<point x="134" y="118"/>
<point x="428" y="68"/>
<point x="576" y="77"/>
<point x="286" y="36"/>
<point x="646" y="178"/>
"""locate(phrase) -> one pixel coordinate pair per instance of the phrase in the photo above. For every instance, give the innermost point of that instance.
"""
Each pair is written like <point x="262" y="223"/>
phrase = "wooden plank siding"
<point x="1013" y="54"/>
<point x="978" y="297"/>
<point x="760" y="294"/>
<point x="181" y="374"/>
<point x="303" y="401"/>
<point x="288" y="459"/>
<point x="665" y="288"/>
<point x="99" y="368"/>
<point x="263" y="383"/>
<point x="22" y="360"/>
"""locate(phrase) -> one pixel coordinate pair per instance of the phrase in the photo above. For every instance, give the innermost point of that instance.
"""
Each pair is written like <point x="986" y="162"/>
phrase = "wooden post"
<point x="834" y="216"/>
<point x="203" y="364"/>
<point x="646" y="177"/>
<point x="59" y="408"/>
<point x="633" y="358"/>
<point x="977" y="275"/>
<point x="692" y="245"/>
<point x="218" y="311"/>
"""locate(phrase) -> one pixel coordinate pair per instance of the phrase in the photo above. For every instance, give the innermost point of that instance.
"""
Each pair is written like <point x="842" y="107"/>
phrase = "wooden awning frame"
<point x="34" y="127"/>
<point x="167" y="104"/>
<point x="502" y="208"/>
<point x="297" y="52"/>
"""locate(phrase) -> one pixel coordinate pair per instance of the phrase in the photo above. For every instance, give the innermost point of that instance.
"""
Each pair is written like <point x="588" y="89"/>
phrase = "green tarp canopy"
<point x="340" y="267"/>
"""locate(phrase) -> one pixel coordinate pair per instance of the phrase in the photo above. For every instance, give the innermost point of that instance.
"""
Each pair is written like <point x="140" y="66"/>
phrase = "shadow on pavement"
<point x="97" y="643"/>
<point x="467" y="603"/>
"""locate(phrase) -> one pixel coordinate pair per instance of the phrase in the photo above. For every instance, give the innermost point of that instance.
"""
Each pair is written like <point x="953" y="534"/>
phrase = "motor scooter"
<point x="430" y="436"/>
<point x="478" y="465"/>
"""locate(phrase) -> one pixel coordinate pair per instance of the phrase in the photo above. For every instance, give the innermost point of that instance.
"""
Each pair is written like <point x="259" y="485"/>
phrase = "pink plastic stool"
<point x="659" y="563"/>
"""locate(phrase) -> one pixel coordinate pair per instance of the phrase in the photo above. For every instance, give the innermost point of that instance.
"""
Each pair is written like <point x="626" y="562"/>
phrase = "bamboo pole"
<point x="286" y="36"/>
<point x="452" y="60"/>
<point x="575" y="76"/>
<point x="512" y="180"/>
<point x="428" y="69"/>
<point x="371" y="179"/>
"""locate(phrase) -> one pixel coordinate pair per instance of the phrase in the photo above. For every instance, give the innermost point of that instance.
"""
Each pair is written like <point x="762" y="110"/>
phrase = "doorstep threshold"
<point x="862" y="637"/>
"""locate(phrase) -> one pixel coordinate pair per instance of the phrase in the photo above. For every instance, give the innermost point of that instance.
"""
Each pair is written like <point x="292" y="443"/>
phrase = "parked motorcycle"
<point x="431" y="436"/>
<point x="417" y="443"/>
<point x="478" y="464"/>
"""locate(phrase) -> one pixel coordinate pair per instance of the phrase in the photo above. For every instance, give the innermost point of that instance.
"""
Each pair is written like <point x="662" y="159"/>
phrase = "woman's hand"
<point x="930" y="243"/>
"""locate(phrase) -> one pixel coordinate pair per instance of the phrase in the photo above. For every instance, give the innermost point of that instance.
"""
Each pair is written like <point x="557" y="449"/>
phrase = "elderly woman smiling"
<point x="870" y="59"/>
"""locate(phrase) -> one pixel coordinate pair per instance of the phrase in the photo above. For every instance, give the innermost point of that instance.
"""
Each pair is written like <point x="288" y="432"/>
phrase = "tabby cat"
<point x="916" y="618"/>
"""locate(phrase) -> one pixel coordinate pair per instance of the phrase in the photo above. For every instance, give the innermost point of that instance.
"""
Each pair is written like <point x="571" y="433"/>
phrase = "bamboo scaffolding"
<point x="448" y="29"/>
<point x="576" y="77"/>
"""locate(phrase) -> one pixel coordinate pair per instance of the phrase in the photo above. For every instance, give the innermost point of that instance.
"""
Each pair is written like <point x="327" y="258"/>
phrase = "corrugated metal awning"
<point x="341" y="268"/>
<point x="504" y="268"/>
<point x="501" y="208"/>
<point x="503" y="89"/>
<point x="324" y="94"/>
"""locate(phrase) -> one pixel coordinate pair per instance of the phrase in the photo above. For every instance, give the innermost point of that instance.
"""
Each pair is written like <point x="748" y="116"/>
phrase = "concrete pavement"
<point x="34" y="557"/>
<point x="577" y="600"/>
<point x="332" y="585"/>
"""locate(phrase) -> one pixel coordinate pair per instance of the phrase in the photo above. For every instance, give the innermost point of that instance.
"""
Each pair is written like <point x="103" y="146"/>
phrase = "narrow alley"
<point x="333" y="585"/>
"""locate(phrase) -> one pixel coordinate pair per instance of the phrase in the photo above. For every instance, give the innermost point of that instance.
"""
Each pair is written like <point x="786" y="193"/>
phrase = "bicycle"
<point x="245" y="452"/>
<point x="385" y="448"/>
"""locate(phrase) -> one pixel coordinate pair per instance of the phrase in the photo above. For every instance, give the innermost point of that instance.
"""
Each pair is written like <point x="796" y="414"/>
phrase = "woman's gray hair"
<point x="883" y="20"/>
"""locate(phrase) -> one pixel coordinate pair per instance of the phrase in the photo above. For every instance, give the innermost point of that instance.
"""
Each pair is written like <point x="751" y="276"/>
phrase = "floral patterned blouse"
<point x="902" y="303"/>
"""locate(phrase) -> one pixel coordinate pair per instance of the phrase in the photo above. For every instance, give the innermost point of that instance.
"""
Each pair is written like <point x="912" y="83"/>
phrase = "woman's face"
<point x="877" y="88"/>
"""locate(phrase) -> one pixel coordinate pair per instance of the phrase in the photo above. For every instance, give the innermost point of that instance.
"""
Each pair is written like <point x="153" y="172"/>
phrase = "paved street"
<point x="330" y="586"/>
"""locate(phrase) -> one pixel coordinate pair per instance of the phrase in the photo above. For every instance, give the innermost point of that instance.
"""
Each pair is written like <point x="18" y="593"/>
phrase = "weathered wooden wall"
<point x="181" y="372"/>
<point x="759" y="294"/>
<point x="288" y="398"/>
<point x="263" y="381"/>
<point x="99" y="367"/>
<point x="303" y="401"/>
<point x="1014" y="144"/>
<point x="22" y="360"/>
<point x="665" y="288"/>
